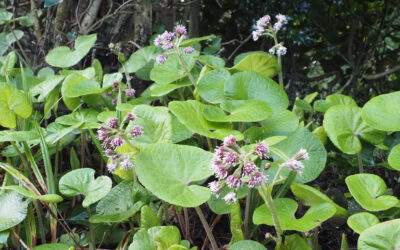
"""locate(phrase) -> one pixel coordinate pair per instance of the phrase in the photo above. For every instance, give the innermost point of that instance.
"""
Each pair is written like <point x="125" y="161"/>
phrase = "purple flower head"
<point x="301" y="155"/>
<point x="230" y="197"/>
<point x="294" y="165"/>
<point x="230" y="141"/>
<point x="249" y="168"/>
<point x="188" y="50"/>
<point x="111" y="166"/>
<point x="262" y="150"/>
<point x="233" y="181"/>
<point x="278" y="49"/>
<point x="281" y="21"/>
<point x="215" y="186"/>
<point x="256" y="179"/>
<point x="158" y="41"/>
<point x="219" y="171"/>
<point x="130" y="117"/>
<point x="230" y="159"/>
<point x="165" y="40"/>
<point x="109" y="152"/>
<point x="263" y="22"/>
<point x="137" y="131"/>
<point x="161" y="59"/>
<point x="126" y="163"/>
<point x="117" y="141"/>
<point x="219" y="153"/>
<point x="130" y="92"/>
<point x="102" y="133"/>
<point x="256" y="35"/>
<point x="180" y="30"/>
<point x="112" y="122"/>
<point x="167" y="46"/>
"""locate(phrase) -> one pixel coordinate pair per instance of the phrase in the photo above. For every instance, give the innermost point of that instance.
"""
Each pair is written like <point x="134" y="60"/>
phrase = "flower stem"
<point x="207" y="228"/>
<point x="279" y="62"/>
<point x="360" y="163"/>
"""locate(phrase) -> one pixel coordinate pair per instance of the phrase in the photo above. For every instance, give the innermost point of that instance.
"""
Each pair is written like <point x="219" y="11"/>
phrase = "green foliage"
<point x="13" y="210"/>
<point x="384" y="235"/>
<point x="361" y="221"/>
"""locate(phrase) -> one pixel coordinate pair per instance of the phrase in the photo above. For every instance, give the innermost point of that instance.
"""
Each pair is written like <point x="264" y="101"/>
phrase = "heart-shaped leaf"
<point x="190" y="113"/>
<point x="247" y="244"/>
<point x="381" y="112"/>
<point x="286" y="209"/>
<point x="212" y="61"/>
<point x="369" y="191"/>
<point x="170" y="171"/>
<point x="346" y="133"/>
<point x="311" y="196"/>
<point x="87" y="117"/>
<point x="301" y="138"/>
<point x="394" y="157"/>
<point x="296" y="242"/>
<point x="211" y="86"/>
<point x="158" y="90"/>
<point x="64" y="57"/>
<point x="382" y="236"/>
<point x="239" y="111"/>
<point x="160" y="237"/>
<point x="333" y="100"/>
<point x="260" y="62"/>
<point x="361" y="221"/>
<point x="82" y="181"/>
<point x="172" y="70"/>
<point x="13" y="102"/>
<point x="8" y="38"/>
<point x="250" y="85"/>
<point x="44" y="88"/>
<point x="13" y="210"/>
<point x="121" y="203"/>
<point x="282" y="123"/>
<point x="141" y="59"/>
<point x="77" y="85"/>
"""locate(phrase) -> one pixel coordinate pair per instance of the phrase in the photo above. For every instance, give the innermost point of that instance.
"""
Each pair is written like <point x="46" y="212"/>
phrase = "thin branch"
<point x="382" y="74"/>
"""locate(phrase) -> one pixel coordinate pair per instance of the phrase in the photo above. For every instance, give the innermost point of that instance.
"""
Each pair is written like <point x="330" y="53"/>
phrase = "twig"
<point x="206" y="227"/>
<point x="382" y="74"/>
<point x="238" y="47"/>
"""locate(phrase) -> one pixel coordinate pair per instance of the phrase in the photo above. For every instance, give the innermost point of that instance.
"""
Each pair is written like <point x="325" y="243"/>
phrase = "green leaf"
<point x="18" y="136"/>
<point x="5" y="16"/>
<point x="160" y="237"/>
<point x="142" y="58"/>
<point x="333" y="100"/>
<point x="121" y="203"/>
<point x="211" y="86"/>
<point x="110" y="79"/>
<point x="311" y="196"/>
<point x="394" y="157"/>
<point x="259" y="62"/>
<point x="44" y="88"/>
<point x="296" y="242"/>
<point x="7" y="39"/>
<point x="64" y="57"/>
<point x="382" y="236"/>
<point x="54" y="246"/>
<point x="346" y="133"/>
<point x="158" y="90"/>
<point x="369" y="191"/>
<point x="13" y="102"/>
<point x="50" y="198"/>
<point x="169" y="172"/>
<point x="381" y="112"/>
<point x="13" y="210"/>
<point x="361" y="221"/>
<point x="282" y="123"/>
<point x="213" y="61"/>
<point x="239" y="111"/>
<point x="301" y="138"/>
<point x="250" y="85"/>
<point x="76" y="85"/>
<point x="236" y="223"/>
<point x="87" y="117"/>
<point x="192" y="41"/>
<point x="286" y="209"/>
<point x="190" y="113"/>
<point x="148" y="218"/>
<point x="142" y="241"/>
<point x="82" y="181"/>
<point x="172" y="70"/>
<point x="247" y="244"/>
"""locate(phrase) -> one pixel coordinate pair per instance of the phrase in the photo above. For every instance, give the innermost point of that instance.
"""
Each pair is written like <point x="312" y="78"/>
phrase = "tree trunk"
<point x="194" y="18"/>
<point x="90" y="17"/>
<point x="142" y="21"/>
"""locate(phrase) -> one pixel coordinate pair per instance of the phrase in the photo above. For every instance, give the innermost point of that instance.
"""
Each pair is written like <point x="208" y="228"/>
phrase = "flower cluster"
<point x="265" y="27"/>
<point x="111" y="135"/>
<point x="234" y="169"/>
<point x="295" y="163"/>
<point x="129" y="92"/>
<point x="169" y="40"/>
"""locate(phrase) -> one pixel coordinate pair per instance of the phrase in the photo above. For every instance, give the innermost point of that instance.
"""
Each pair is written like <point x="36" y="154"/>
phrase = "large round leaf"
<point x="333" y="100"/>
<point x="82" y="181"/>
<point x="12" y="210"/>
<point x="141" y="58"/>
<point x="301" y="138"/>
<point x="250" y="85"/>
<point x="369" y="191"/>
<point x="247" y="244"/>
<point x="13" y="102"/>
<point x="311" y="196"/>
<point x="382" y="236"/>
<point x="169" y="172"/>
<point x="361" y="221"/>
<point x="394" y="157"/>
<point x="87" y="117"/>
<point x="76" y="85"/>
<point x="211" y="86"/>
<point x="64" y="57"/>
<point x="238" y="111"/>
<point x="161" y="89"/>
<point x="382" y="112"/>
<point x="344" y="126"/>
<point x="286" y="209"/>
<point x="260" y="62"/>
<point x="190" y="113"/>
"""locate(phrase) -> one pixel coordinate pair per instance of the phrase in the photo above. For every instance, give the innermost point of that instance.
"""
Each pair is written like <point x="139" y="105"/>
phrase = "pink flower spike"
<point x="229" y="141"/>
<point x="137" y="131"/>
<point x="249" y="168"/>
<point x="180" y="30"/>
<point x="262" y="150"/>
<point x="112" y="122"/>
<point x="230" y="197"/>
<point x="230" y="159"/>
<point x="214" y="186"/>
<point x="233" y="182"/>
